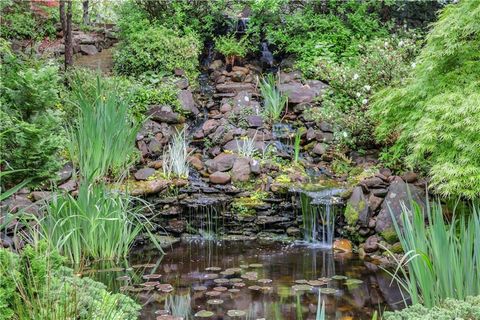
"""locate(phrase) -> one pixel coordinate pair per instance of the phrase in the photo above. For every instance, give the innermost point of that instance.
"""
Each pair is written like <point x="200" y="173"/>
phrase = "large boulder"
<point x="222" y="162"/>
<point x="88" y="49"/>
<point x="241" y="170"/>
<point x="186" y="101"/>
<point x="300" y="93"/>
<point x="164" y="114"/>
<point x="399" y="194"/>
<point x="357" y="210"/>
<point x="219" y="178"/>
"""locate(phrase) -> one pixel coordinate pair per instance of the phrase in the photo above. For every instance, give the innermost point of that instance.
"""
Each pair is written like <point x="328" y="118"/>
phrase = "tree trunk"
<point x="61" y="7"/>
<point x="86" y="17"/>
<point x="68" y="36"/>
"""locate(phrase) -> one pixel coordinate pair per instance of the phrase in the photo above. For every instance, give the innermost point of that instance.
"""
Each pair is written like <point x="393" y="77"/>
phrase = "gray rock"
<point x="374" y="202"/>
<point x="88" y="49"/>
<point x="154" y="147"/>
<point x="41" y="195"/>
<point x="182" y="83"/>
<point x="255" y="121"/>
<point x="357" y="206"/>
<point x="241" y="170"/>
<point x="68" y="186"/>
<point x="399" y="194"/>
<point x="410" y="177"/>
<point x="164" y="114"/>
<point x="216" y="64"/>
<point x="219" y="178"/>
<point x="210" y="125"/>
<point x="326" y="127"/>
<point x="187" y="102"/>
<point x="371" y="244"/>
<point x="320" y="149"/>
<point x="235" y="87"/>
<point x="65" y="173"/>
<point x="300" y="93"/>
<point x="144" y="173"/>
<point x="223" y="162"/>
<point x="255" y="166"/>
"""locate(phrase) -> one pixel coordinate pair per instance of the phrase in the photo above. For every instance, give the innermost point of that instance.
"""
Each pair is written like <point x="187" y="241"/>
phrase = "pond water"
<point x="269" y="281"/>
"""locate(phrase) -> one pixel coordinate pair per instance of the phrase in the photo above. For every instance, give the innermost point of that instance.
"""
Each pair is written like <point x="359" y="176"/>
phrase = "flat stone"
<point x="186" y="101"/>
<point x="165" y="114"/>
<point x="144" y="173"/>
<point x="320" y="149"/>
<point x="88" y="49"/>
<point x="234" y="87"/>
<point x="219" y="178"/>
<point x="223" y="162"/>
<point x="255" y="121"/>
<point x="241" y="170"/>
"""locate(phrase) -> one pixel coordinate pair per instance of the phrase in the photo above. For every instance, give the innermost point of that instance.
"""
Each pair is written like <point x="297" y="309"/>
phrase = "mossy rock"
<point x="397" y="248"/>
<point x="390" y="235"/>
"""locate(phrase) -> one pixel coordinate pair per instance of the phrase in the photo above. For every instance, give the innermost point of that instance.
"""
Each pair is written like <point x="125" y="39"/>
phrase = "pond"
<point x="269" y="281"/>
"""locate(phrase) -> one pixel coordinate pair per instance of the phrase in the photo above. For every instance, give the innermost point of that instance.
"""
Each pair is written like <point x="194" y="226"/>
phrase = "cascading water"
<point x="319" y="211"/>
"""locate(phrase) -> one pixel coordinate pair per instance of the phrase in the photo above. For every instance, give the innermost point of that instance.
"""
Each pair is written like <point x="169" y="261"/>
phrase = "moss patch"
<point x="390" y="235"/>
<point x="351" y="213"/>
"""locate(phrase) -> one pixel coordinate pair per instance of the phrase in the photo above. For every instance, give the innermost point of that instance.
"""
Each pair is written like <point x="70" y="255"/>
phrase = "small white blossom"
<point x="414" y="64"/>
<point x="345" y="134"/>
<point x="367" y="87"/>
<point x="385" y="44"/>
<point x="365" y="101"/>
<point x="400" y="44"/>
<point x="355" y="76"/>
<point x="358" y="94"/>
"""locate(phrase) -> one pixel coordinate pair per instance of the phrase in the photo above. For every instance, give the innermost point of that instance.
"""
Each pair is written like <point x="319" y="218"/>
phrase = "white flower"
<point x="400" y="44"/>
<point x="367" y="87"/>
<point x="355" y="76"/>
<point x="358" y="94"/>
<point x="385" y="44"/>
<point x="414" y="64"/>
<point x="365" y="101"/>
<point x="345" y="134"/>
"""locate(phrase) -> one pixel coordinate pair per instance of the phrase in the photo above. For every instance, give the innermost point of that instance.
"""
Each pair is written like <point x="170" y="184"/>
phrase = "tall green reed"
<point x="98" y="223"/>
<point x="441" y="260"/>
<point x="103" y="139"/>
<point x="274" y="102"/>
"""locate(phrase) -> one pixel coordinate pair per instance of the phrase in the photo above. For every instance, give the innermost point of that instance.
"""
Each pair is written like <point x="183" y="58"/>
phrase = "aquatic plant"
<point x="246" y="146"/>
<point x="296" y="144"/>
<point x="274" y="102"/>
<point x="175" y="158"/>
<point x="320" y="315"/>
<point x="442" y="260"/>
<point x="103" y="140"/>
<point x="179" y="306"/>
<point x="98" y="223"/>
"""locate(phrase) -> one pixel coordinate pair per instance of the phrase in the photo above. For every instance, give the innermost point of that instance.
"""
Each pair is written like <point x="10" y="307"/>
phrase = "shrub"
<point x="447" y="310"/>
<point x="432" y="121"/>
<point x="160" y="50"/>
<point x="30" y="122"/>
<point x="442" y="260"/>
<point x="231" y="47"/>
<point x="35" y="285"/>
<point x="334" y="34"/>
<point x="103" y="140"/>
<point x="352" y="82"/>
<point x="274" y="102"/>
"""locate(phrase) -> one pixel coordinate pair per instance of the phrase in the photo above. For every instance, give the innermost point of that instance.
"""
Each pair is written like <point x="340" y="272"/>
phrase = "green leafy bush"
<point x="35" y="285"/>
<point x="230" y="46"/>
<point x="20" y="22"/>
<point x="334" y="33"/>
<point x="352" y="82"/>
<point x="433" y="120"/>
<point x="447" y="310"/>
<point x="160" y="50"/>
<point x="30" y="119"/>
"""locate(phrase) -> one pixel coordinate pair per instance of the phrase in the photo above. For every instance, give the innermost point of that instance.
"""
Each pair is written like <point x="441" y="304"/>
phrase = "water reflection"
<point x="350" y="287"/>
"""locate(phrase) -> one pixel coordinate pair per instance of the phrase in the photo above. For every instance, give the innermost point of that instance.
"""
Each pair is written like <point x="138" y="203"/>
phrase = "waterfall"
<point x="204" y="216"/>
<point x="319" y="211"/>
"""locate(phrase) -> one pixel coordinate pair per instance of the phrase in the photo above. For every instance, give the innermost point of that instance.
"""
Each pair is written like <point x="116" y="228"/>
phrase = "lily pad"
<point x="221" y="280"/>
<point x="165" y="287"/>
<point x="244" y="266"/>
<point x="234" y="270"/>
<point x="302" y="287"/>
<point x="236" y="313"/>
<point x="213" y="293"/>
<point x="213" y="269"/>
<point x="168" y="317"/>
<point x="204" y="314"/>
<point x="254" y="288"/>
<point x="234" y="290"/>
<point x="316" y="283"/>
<point x="152" y="276"/>
<point x="256" y="265"/>
<point x="200" y="288"/>
<point x="150" y="284"/>
<point x="215" y="301"/>
<point x="353" y="282"/>
<point x="235" y="280"/>
<point x="302" y="281"/>
<point x="227" y="273"/>
<point x="239" y="284"/>
<point x="265" y="281"/>
<point x="324" y="279"/>
<point x="210" y="276"/>
<point x="328" y="290"/>
<point x="123" y="278"/>
<point x="338" y="277"/>
<point x="220" y="289"/>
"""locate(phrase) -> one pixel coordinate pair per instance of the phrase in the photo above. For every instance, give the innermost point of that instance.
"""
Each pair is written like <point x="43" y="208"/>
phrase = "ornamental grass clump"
<point x="441" y="260"/>
<point x="175" y="157"/>
<point x="274" y="102"/>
